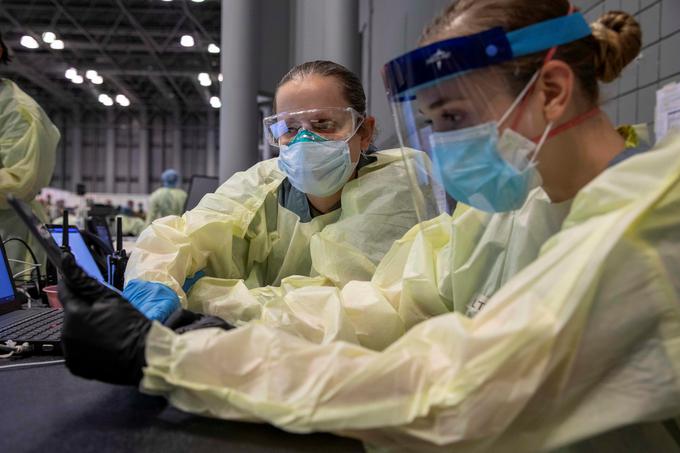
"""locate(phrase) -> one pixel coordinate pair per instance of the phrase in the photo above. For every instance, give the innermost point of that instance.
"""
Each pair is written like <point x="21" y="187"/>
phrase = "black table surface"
<point x="46" y="409"/>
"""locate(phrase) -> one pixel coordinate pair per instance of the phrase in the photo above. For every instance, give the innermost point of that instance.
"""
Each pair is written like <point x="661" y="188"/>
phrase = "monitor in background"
<point x="199" y="186"/>
<point x="7" y="293"/>
<point x="99" y="227"/>
<point x="79" y="249"/>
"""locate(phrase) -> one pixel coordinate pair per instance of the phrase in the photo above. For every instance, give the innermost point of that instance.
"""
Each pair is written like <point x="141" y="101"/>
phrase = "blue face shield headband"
<point x="445" y="59"/>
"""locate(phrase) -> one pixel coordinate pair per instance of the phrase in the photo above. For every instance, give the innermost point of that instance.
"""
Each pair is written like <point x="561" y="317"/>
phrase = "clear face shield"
<point x="453" y="100"/>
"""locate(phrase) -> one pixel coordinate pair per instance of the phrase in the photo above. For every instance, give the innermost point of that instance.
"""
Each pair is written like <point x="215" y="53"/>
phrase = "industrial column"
<point x="77" y="146"/>
<point x="239" y="61"/>
<point x="342" y="43"/>
<point x="210" y="149"/>
<point x="110" y="170"/>
<point x="328" y="30"/>
<point x="177" y="147"/>
<point x="143" y="151"/>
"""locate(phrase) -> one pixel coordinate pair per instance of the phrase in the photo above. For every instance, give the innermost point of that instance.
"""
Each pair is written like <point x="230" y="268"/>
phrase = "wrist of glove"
<point x="182" y="321"/>
<point x="103" y="335"/>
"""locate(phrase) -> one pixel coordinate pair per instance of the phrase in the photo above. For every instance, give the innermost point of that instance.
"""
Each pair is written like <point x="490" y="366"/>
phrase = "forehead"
<point x="311" y="92"/>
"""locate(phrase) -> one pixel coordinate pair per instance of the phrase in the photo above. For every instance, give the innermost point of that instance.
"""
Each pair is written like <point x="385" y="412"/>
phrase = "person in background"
<point x="58" y="211"/>
<point x="130" y="223"/>
<point x="578" y="351"/>
<point x="166" y="200"/>
<point x="140" y="211"/>
<point x="28" y="143"/>
<point x="326" y="207"/>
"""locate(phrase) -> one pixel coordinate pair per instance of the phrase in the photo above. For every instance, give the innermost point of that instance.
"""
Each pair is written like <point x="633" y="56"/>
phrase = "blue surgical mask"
<point x="470" y="167"/>
<point x="315" y="165"/>
<point x="483" y="170"/>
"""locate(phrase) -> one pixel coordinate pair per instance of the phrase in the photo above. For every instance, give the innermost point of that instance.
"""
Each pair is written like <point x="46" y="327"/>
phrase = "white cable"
<point x="24" y="365"/>
<point x="20" y="273"/>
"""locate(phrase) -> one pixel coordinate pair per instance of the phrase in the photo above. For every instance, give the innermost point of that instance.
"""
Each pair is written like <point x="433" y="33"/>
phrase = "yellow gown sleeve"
<point x="216" y="232"/>
<point x="591" y="327"/>
<point x="28" y="142"/>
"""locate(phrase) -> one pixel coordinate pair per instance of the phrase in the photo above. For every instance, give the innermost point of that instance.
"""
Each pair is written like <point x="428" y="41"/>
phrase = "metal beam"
<point x="65" y="31"/>
<point x="172" y="35"/>
<point x="168" y="95"/>
<point x="198" y="24"/>
<point x="107" y="70"/>
<point x="203" y="92"/>
<point x="114" y="81"/>
<point x="51" y="88"/>
<point x="152" y="46"/>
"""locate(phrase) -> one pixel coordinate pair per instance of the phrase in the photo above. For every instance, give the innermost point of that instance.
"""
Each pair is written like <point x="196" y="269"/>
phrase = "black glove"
<point x="103" y="335"/>
<point x="182" y="321"/>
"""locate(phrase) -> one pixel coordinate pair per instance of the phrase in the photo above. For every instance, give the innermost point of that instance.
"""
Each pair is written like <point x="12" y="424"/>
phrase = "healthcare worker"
<point x="130" y="223"/>
<point x="326" y="207"/>
<point x="166" y="200"/>
<point x="28" y="143"/>
<point x="573" y="351"/>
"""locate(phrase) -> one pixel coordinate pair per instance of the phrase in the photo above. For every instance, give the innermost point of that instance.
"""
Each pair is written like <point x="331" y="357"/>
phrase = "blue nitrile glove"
<point x="154" y="300"/>
<point x="191" y="281"/>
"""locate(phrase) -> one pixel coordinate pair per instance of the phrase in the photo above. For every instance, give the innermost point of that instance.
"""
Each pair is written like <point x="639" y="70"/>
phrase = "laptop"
<point x="79" y="249"/>
<point x="198" y="187"/>
<point x="39" y="327"/>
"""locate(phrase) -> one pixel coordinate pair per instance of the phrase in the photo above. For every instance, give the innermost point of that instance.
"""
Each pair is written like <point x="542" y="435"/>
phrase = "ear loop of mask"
<point x="520" y="100"/>
<point x="542" y="141"/>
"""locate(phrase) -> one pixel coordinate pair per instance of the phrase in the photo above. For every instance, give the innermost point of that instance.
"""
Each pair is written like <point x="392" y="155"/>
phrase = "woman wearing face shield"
<point x="577" y="351"/>
<point x="329" y="207"/>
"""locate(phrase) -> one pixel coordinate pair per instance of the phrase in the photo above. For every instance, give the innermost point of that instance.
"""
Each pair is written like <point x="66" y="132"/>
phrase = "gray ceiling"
<point x="133" y="44"/>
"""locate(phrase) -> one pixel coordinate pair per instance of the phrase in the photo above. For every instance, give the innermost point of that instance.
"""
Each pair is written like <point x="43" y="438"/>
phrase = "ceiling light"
<point x="166" y="0"/>
<point x="29" y="42"/>
<point x="49" y="37"/>
<point x="97" y="80"/>
<point x="105" y="99"/>
<point x="187" y="41"/>
<point x="215" y="102"/>
<point x="197" y="1"/>
<point x="91" y="74"/>
<point x="122" y="100"/>
<point x="204" y="79"/>
<point x="77" y="79"/>
<point x="219" y="77"/>
<point x="212" y="48"/>
<point x="57" y="44"/>
<point x="70" y="73"/>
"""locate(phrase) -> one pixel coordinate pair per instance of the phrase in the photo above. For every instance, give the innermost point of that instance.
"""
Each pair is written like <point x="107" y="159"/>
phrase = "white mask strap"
<point x="519" y="98"/>
<point x="540" y="143"/>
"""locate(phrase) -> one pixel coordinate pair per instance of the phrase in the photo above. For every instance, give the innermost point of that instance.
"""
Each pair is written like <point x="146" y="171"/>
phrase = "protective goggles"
<point x="331" y="123"/>
<point x="459" y="85"/>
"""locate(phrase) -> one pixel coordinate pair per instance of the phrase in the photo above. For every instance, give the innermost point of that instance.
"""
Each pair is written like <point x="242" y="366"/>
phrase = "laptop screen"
<point x="79" y="249"/>
<point x="6" y="287"/>
<point x="200" y="185"/>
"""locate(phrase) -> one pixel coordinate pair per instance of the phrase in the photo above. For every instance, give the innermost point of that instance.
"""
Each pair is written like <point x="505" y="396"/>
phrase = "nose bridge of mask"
<point x="304" y="136"/>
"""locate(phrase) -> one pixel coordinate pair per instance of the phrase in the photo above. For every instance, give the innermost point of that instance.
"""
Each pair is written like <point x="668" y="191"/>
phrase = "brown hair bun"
<point x="619" y="40"/>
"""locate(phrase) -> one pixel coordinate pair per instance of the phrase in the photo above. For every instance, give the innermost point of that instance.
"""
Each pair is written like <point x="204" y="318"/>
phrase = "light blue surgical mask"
<point x="315" y="165"/>
<point x="483" y="170"/>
